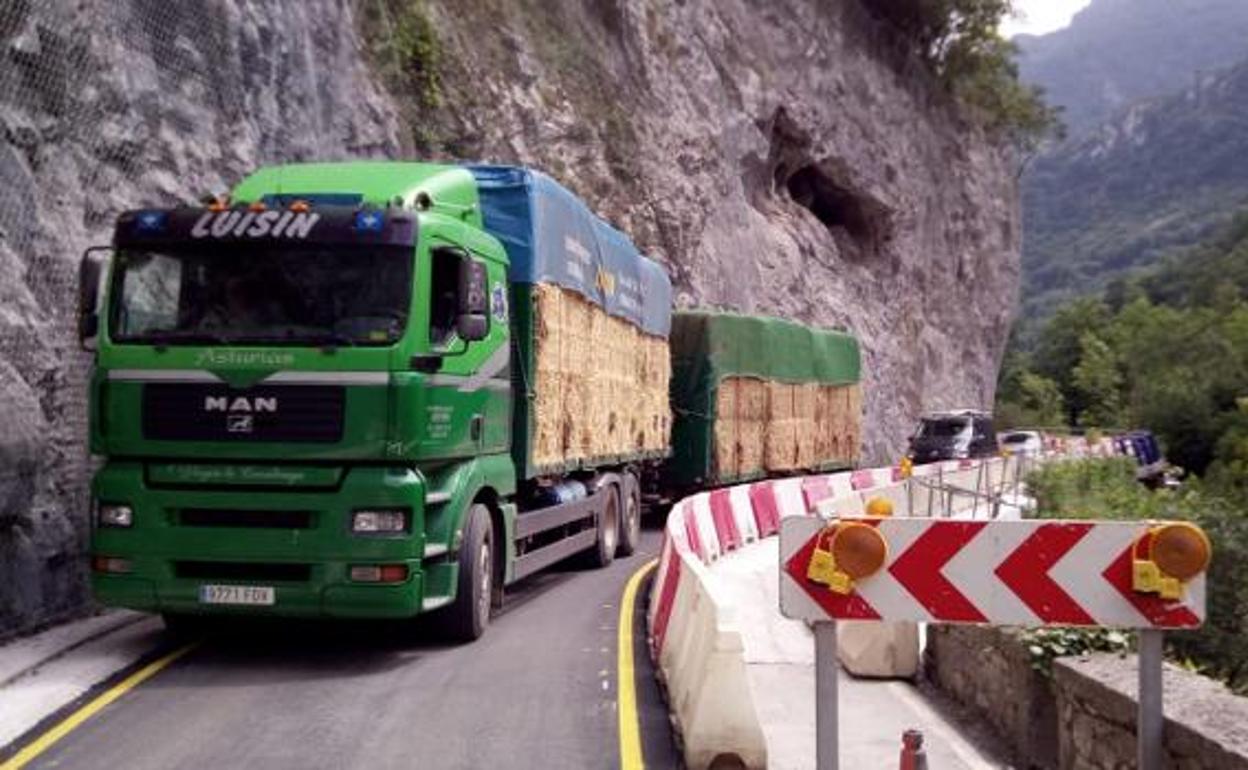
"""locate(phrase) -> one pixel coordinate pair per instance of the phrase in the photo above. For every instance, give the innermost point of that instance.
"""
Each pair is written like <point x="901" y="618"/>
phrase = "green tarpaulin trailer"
<point x="754" y="396"/>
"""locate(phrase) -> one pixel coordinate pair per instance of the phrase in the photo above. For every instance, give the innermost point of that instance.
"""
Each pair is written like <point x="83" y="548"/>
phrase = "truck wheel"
<point x="630" y="523"/>
<point x="608" y="527"/>
<point x="467" y="617"/>
<point x="183" y="627"/>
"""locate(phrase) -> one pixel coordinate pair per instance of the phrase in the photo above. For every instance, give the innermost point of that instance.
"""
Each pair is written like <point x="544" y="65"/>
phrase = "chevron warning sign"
<point x="1025" y="573"/>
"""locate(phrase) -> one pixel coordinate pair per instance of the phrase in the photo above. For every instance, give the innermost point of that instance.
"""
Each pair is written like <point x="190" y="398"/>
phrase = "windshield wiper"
<point x="328" y="340"/>
<point x="325" y="339"/>
<point x="185" y="336"/>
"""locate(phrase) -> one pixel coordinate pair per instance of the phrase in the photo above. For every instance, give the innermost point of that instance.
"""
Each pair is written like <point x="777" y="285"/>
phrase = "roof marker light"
<point x="300" y="206"/>
<point x="369" y="221"/>
<point x="150" y="221"/>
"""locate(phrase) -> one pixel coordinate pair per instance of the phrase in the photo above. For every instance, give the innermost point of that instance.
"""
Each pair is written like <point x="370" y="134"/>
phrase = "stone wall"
<point x="989" y="670"/>
<point x="1084" y="717"/>
<point x="1206" y="725"/>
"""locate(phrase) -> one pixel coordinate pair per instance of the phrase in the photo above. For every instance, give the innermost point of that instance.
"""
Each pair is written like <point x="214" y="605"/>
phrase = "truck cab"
<point x="303" y="398"/>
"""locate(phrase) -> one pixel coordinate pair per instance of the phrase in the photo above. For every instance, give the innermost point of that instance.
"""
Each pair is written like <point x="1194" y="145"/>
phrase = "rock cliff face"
<point x="108" y="106"/>
<point x="775" y="156"/>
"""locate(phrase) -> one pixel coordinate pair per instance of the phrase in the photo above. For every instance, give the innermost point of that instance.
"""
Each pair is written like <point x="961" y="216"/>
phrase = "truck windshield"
<point x="304" y="296"/>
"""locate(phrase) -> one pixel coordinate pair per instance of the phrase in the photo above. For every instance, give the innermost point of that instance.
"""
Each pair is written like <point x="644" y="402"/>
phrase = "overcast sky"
<point x="1041" y="16"/>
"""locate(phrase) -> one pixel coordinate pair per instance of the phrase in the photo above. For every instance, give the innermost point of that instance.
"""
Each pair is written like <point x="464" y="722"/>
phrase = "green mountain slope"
<point x="1163" y="175"/>
<point x="1117" y="52"/>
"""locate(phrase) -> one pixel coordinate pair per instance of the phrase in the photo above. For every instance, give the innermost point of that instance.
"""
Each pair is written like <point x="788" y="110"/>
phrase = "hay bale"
<point x="547" y="405"/>
<point x="751" y="425"/>
<point x="547" y="328"/>
<point x="601" y="384"/>
<point x="854" y="421"/>
<point x="825" y="441"/>
<point x="724" y="464"/>
<point x="805" y="397"/>
<point x="781" y="441"/>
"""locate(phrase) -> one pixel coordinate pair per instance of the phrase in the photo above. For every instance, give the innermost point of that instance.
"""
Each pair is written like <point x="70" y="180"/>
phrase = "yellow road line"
<point x="65" y="726"/>
<point x="630" y="729"/>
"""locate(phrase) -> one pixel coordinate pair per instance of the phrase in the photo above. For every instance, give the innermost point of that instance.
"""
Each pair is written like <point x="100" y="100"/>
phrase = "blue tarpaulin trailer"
<point x="551" y="236"/>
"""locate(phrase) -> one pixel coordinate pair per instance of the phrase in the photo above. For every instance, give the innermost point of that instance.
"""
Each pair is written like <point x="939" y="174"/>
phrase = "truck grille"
<point x="208" y="517"/>
<point x="198" y="412"/>
<point x="236" y="570"/>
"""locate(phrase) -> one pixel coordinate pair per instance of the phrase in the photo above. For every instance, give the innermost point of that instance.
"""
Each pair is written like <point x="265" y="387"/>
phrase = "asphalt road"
<point x="537" y="691"/>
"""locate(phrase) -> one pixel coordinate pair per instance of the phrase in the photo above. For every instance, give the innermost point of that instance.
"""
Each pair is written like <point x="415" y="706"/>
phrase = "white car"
<point x="1022" y="442"/>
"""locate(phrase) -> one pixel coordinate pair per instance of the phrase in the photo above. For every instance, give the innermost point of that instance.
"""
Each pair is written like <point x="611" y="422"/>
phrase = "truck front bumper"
<point x="297" y="542"/>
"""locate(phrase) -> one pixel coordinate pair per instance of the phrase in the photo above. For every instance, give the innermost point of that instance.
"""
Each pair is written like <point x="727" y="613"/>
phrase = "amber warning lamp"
<point x="1167" y="556"/>
<point x="879" y="507"/>
<point x="845" y="552"/>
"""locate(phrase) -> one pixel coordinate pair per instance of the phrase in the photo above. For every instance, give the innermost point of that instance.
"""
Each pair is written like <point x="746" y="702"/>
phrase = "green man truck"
<point x="368" y="390"/>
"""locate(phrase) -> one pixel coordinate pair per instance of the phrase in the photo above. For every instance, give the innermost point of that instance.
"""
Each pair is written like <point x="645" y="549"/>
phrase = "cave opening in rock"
<point x="859" y="223"/>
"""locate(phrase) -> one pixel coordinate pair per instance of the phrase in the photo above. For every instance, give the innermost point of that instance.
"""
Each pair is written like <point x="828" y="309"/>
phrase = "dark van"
<point x="953" y="436"/>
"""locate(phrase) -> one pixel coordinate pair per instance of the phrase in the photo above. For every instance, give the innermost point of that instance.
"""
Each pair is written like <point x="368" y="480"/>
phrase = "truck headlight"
<point x="110" y="515"/>
<point x="385" y="522"/>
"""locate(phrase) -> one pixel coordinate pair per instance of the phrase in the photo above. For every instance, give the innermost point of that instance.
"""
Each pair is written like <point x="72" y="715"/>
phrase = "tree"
<point x="1059" y="347"/>
<point x="1042" y="397"/>
<point x="1098" y="382"/>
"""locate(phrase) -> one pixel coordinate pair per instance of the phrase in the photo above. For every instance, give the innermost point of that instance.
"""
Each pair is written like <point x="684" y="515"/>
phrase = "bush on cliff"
<point x="960" y="41"/>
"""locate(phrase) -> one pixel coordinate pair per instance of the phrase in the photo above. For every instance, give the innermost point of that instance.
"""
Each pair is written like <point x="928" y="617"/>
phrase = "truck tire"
<point x="466" y="618"/>
<point x="183" y="627"/>
<point x="630" y="522"/>
<point x="608" y="527"/>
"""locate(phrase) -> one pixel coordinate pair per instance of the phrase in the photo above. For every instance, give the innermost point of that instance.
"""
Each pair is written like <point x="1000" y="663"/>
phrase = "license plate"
<point x="256" y="595"/>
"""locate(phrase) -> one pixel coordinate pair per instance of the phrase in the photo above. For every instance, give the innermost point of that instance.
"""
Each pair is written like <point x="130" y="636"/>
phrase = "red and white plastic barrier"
<point x="693" y="637"/>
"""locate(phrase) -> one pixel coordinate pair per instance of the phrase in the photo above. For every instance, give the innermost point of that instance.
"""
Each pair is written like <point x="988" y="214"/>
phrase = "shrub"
<point x="959" y="41"/>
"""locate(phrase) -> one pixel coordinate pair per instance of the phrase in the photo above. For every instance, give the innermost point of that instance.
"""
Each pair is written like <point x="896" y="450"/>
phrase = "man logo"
<point x="239" y="404"/>
<point x="239" y="423"/>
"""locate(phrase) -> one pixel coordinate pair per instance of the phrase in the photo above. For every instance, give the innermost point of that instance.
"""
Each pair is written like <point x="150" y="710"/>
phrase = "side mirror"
<point x="472" y="321"/>
<point x="472" y="327"/>
<point x="90" y="270"/>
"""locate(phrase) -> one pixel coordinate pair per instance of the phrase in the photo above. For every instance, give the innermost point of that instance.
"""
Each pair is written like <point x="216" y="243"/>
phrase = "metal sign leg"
<point x="827" y="669"/>
<point x="1151" y="718"/>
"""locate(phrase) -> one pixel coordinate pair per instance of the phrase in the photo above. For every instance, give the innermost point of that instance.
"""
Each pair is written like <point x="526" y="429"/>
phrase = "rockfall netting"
<point x="106" y="106"/>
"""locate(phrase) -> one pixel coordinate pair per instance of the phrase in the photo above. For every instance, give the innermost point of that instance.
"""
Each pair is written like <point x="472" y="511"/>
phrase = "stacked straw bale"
<point x="601" y="383"/>
<point x="765" y="426"/>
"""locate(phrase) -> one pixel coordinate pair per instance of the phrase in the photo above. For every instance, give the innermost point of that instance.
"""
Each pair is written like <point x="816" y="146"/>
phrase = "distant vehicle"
<point x="1022" y="442"/>
<point x="1153" y="469"/>
<point x="953" y="435"/>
